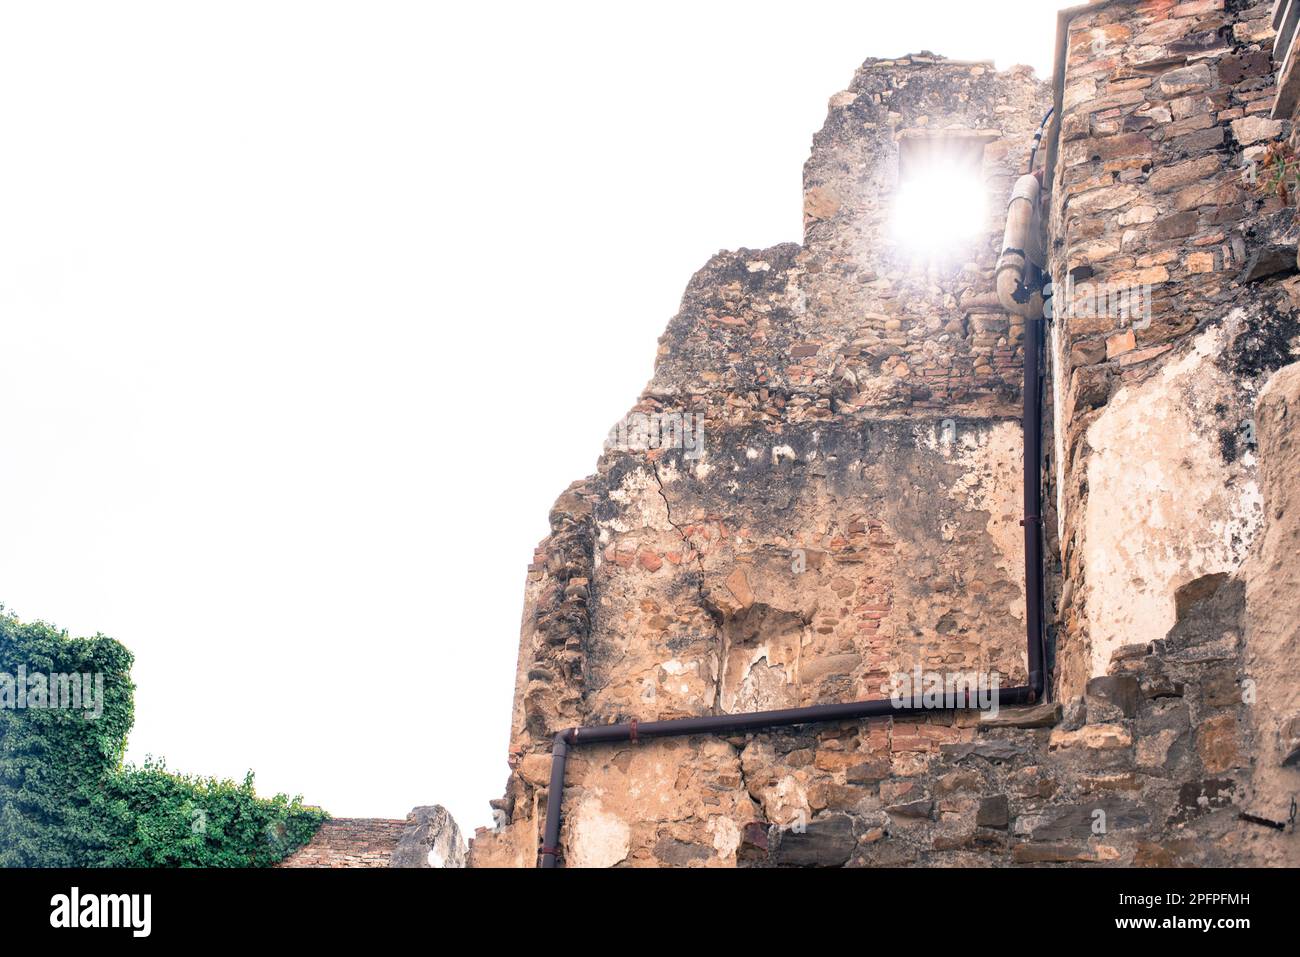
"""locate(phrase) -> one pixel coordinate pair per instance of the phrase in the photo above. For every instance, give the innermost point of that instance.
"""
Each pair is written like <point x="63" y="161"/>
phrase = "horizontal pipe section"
<point x="730" y="723"/>
<point x="756" y="720"/>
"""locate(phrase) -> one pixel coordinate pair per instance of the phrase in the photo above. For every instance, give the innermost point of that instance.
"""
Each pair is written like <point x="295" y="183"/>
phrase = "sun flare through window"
<point x="940" y="208"/>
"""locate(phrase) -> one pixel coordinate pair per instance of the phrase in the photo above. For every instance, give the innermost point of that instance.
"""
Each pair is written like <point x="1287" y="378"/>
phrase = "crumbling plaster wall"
<point x="1172" y="429"/>
<point x="1272" y="614"/>
<point x="1165" y="106"/>
<point x="855" y="509"/>
<point x="1165" y="506"/>
<point x="855" y="512"/>
<point x="829" y="560"/>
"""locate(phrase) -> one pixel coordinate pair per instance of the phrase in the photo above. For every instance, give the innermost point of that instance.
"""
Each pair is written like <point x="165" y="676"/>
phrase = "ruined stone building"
<point x="830" y="493"/>
<point x="428" y="837"/>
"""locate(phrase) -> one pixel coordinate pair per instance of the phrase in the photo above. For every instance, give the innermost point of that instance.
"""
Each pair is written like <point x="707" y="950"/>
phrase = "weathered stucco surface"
<point x="1166" y="105"/>
<point x="1272" y="619"/>
<point x="1164" y="507"/>
<point x="816" y="565"/>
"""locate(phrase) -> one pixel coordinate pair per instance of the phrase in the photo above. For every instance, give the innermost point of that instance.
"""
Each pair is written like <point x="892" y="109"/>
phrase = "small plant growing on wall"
<point x="1276" y="172"/>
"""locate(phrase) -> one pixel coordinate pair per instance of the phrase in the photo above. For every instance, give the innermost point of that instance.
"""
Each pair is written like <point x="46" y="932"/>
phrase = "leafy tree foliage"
<point x="67" y="799"/>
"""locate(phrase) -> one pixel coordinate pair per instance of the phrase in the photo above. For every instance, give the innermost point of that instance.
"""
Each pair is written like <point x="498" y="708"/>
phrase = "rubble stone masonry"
<point x="855" y="510"/>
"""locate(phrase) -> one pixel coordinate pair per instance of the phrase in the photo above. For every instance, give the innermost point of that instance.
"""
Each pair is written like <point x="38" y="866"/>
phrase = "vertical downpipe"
<point x="555" y="799"/>
<point x="1018" y="286"/>
<point x="1033" y="521"/>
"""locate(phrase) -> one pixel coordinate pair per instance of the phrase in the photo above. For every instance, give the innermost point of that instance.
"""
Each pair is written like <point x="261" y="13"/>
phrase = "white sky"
<point x="308" y="312"/>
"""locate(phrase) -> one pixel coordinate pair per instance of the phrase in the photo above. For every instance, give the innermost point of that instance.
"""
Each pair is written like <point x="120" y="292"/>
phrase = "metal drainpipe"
<point x="1033" y="521"/>
<point x="1019" y="292"/>
<point x="753" y="721"/>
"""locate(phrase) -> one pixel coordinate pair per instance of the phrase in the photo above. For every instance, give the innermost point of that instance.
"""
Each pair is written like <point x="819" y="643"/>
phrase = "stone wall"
<point x="855" y="510"/>
<point x="428" y="837"/>
<point x="1166" y="105"/>
<point x="349" y="842"/>
<point x="854" y="513"/>
<point x="849" y="324"/>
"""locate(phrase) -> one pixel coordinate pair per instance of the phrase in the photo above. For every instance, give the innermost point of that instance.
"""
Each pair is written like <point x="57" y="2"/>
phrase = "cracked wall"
<point x="854" y="513"/>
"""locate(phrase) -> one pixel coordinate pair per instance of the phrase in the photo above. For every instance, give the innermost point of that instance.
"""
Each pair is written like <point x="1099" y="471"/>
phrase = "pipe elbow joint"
<point x="1010" y="272"/>
<point x="1020" y="246"/>
<point x="1012" y="293"/>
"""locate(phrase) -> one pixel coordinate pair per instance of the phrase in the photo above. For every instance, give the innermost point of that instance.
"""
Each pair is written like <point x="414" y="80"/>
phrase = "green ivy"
<point x="67" y="799"/>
